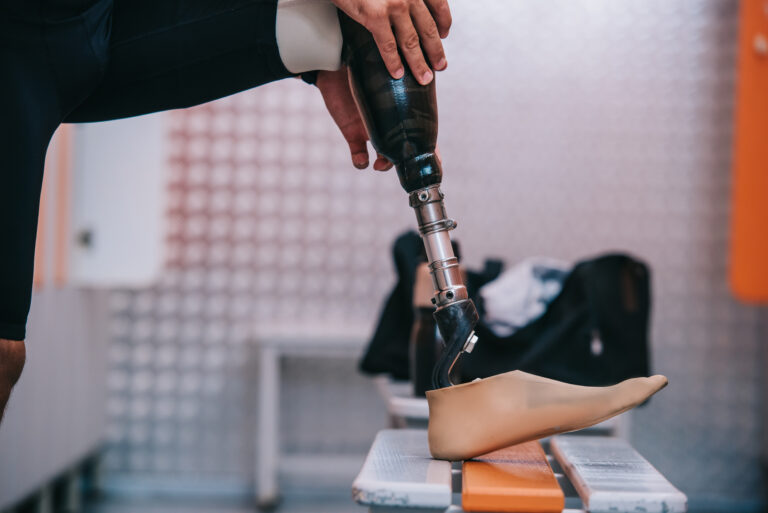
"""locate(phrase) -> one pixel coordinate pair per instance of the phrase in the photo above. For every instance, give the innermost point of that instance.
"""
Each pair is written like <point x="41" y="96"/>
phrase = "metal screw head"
<point x="423" y="196"/>
<point x="471" y="342"/>
<point x="761" y="45"/>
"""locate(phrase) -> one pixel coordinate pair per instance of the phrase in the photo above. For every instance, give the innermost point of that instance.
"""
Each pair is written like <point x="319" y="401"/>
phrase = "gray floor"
<point x="328" y="503"/>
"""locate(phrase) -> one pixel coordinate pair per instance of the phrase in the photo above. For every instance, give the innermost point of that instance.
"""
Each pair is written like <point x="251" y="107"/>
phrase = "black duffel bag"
<point x="595" y="332"/>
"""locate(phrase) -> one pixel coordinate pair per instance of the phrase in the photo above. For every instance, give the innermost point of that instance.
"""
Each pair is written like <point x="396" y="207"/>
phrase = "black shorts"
<point x="94" y="60"/>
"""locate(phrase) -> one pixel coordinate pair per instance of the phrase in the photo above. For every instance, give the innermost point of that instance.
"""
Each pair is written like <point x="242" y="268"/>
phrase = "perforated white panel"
<point x="269" y="227"/>
<point x="567" y="128"/>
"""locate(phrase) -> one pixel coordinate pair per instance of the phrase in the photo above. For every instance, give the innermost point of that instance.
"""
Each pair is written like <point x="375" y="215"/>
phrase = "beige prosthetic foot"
<point x="489" y="414"/>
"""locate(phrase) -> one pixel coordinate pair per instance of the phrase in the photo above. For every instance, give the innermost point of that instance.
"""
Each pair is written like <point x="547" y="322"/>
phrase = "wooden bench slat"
<point x="611" y="476"/>
<point x="515" y="479"/>
<point x="399" y="471"/>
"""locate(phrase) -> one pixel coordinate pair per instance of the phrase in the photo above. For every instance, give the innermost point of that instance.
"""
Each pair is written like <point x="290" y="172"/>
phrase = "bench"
<point x="399" y="473"/>
<point x="611" y="476"/>
<point x="273" y="347"/>
<point x="399" y="476"/>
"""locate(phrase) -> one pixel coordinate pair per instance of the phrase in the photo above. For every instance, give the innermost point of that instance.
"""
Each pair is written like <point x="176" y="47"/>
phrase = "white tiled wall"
<point x="566" y="128"/>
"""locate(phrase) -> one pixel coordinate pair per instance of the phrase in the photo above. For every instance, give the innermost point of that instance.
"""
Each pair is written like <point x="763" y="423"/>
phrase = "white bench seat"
<point x="611" y="477"/>
<point x="399" y="472"/>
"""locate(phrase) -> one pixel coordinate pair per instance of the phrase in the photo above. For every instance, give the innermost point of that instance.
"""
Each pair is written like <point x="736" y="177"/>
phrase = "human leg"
<point x="48" y="66"/>
<point x="29" y="106"/>
<point x="24" y="135"/>
<point x="167" y="55"/>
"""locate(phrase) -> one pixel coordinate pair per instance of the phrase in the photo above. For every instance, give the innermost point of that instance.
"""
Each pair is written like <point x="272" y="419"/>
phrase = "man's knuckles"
<point x="411" y="41"/>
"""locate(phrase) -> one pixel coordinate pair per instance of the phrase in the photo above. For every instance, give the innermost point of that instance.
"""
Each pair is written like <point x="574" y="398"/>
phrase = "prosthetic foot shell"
<point x="476" y="418"/>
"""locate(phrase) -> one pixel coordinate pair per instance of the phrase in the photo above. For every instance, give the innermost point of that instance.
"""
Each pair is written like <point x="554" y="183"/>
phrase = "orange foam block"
<point x="516" y="479"/>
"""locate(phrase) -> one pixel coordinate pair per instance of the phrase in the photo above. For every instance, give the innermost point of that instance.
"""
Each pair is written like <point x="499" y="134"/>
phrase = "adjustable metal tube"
<point x="455" y="314"/>
<point x="434" y="226"/>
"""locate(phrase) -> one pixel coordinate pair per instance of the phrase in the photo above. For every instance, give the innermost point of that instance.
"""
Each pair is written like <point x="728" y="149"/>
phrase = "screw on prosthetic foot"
<point x="456" y="322"/>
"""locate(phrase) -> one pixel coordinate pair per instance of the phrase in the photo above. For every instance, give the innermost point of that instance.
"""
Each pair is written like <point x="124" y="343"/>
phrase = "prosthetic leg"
<point x="401" y="118"/>
<point x="473" y="418"/>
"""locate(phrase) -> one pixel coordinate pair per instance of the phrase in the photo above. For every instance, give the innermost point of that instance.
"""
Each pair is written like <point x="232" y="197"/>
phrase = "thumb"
<point x="382" y="163"/>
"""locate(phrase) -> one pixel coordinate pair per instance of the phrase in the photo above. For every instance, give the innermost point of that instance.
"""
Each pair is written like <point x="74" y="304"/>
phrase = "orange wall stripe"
<point x="749" y="237"/>
<point x="63" y="205"/>
<point x="38" y="280"/>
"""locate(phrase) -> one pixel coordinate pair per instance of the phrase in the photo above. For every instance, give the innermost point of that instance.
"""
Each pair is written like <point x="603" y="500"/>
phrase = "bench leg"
<point x="72" y="492"/>
<point x="268" y="441"/>
<point x="44" y="500"/>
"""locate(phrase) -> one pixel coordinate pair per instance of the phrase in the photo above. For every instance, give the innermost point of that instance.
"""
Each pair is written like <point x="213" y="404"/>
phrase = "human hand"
<point x="412" y="25"/>
<point x="334" y="86"/>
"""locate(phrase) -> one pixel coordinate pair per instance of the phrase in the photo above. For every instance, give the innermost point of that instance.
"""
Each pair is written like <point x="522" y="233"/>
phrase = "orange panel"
<point x="749" y="242"/>
<point x="517" y="479"/>
<point x="38" y="279"/>
<point x="63" y="193"/>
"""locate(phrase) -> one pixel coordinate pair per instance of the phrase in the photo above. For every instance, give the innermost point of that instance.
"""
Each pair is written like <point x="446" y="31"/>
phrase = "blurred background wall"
<point x="567" y="128"/>
<point x="56" y="418"/>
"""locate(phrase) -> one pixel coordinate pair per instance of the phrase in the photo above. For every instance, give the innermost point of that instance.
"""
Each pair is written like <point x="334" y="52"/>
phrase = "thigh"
<point x="179" y="53"/>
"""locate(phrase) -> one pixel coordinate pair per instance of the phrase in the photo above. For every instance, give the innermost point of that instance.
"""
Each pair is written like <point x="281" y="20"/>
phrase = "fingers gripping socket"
<point x="434" y="226"/>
